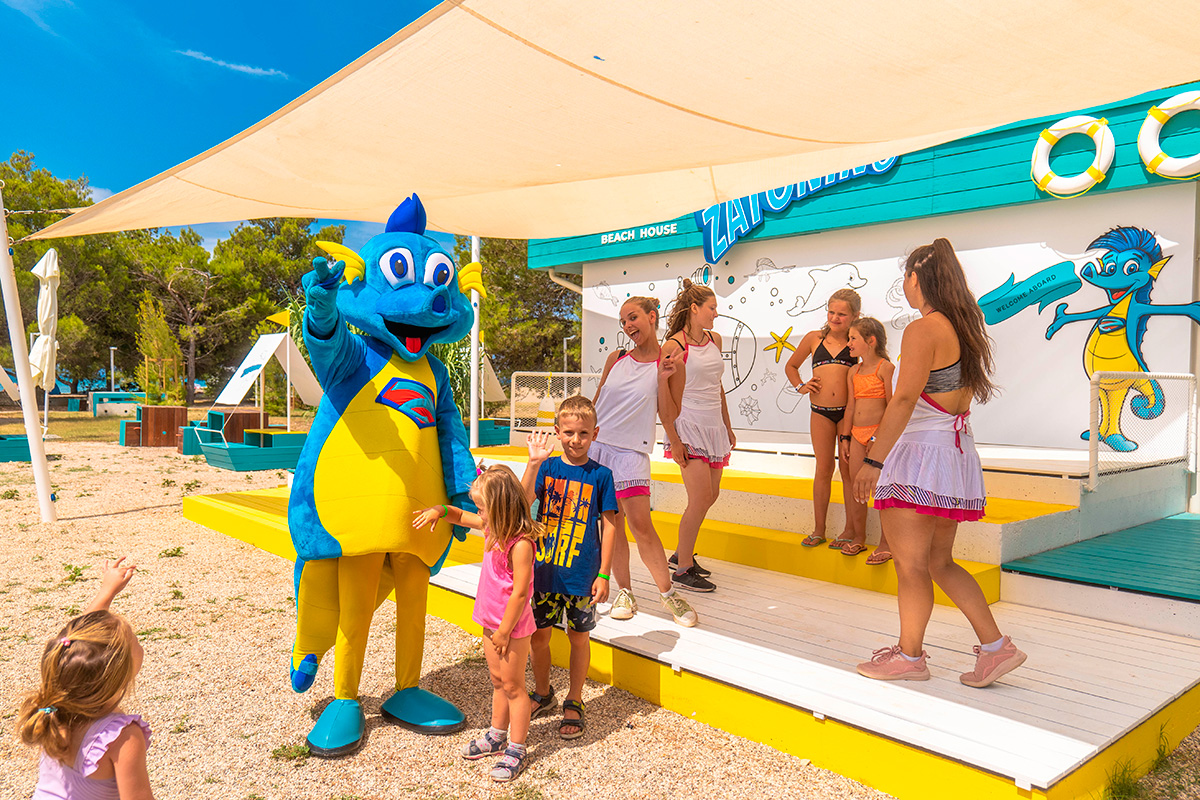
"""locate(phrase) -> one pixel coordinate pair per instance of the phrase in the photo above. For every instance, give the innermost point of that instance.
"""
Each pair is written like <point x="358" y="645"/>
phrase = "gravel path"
<point x="216" y="619"/>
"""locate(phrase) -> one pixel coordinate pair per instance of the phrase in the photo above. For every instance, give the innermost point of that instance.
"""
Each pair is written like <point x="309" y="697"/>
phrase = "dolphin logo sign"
<point x="412" y="399"/>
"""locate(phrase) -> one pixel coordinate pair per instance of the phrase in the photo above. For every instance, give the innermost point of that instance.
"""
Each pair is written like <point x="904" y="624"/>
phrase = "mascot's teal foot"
<point x="305" y="674"/>
<point x="339" y="731"/>
<point x="423" y="712"/>
<point x="1119" y="443"/>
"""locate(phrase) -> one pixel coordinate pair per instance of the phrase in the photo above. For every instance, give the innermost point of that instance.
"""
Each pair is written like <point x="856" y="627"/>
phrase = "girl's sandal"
<point x="510" y="765"/>
<point x="839" y="543"/>
<point x="577" y="724"/>
<point x="484" y="746"/>
<point x="542" y="704"/>
<point x="879" y="557"/>
<point x="813" y="540"/>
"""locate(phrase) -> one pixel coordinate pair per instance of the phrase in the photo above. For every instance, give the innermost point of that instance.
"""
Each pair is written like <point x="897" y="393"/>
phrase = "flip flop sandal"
<point x="853" y="549"/>
<point x="542" y="704"/>
<point x="578" y="724"/>
<point x="838" y="544"/>
<point x="813" y="540"/>
<point x="879" y="557"/>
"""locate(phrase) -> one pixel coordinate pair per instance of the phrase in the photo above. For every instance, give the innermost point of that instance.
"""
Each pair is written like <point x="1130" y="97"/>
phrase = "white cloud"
<point x="98" y="193"/>
<point x="33" y="8"/>
<point x="248" y="70"/>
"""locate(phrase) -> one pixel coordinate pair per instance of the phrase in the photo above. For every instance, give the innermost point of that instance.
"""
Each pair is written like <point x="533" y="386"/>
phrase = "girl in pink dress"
<point x="90" y="750"/>
<point x="501" y="607"/>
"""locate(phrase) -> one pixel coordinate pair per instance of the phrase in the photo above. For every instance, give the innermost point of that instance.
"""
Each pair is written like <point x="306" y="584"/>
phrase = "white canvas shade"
<point x="547" y="118"/>
<point x="43" y="356"/>
<point x="281" y="347"/>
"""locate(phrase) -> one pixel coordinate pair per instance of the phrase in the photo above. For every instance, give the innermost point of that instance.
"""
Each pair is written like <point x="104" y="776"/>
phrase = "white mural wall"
<point x="772" y="292"/>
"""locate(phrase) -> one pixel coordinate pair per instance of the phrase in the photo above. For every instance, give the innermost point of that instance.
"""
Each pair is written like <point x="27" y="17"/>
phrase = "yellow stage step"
<point x="1000" y="510"/>
<point x="779" y="551"/>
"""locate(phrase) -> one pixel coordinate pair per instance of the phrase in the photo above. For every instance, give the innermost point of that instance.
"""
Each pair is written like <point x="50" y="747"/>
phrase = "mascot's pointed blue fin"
<point x="408" y="218"/>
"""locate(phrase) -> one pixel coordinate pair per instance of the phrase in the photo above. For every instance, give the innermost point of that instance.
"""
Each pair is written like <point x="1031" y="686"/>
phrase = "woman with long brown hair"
<point x="924" y="471"/>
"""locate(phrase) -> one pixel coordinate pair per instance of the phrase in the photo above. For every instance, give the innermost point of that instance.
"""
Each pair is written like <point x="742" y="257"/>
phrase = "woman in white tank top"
<point x="626" y="411"/>
<point x="696" y="418"/>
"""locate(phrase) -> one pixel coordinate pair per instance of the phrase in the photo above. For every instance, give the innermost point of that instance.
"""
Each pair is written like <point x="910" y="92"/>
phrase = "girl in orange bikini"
<point x="869" y="385"/>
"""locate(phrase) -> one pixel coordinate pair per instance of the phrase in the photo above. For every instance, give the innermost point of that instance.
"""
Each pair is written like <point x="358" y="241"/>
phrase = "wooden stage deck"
<point x="1160" y="558"/>
<point x="773" y="660"/>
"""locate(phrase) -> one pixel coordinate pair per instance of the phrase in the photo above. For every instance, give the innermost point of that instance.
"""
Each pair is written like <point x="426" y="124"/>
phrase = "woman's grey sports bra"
<point x="946" y="379"/>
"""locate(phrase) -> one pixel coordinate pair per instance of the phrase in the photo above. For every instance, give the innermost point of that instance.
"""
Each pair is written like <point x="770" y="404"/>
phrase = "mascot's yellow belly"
<point x="1109" y="351"/>
<point x="377" y="467"/>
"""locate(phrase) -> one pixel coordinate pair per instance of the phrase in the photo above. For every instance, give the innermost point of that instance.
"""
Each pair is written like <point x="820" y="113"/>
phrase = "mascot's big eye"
<point x="1132" y="266"/>
<point x="439" y="269"/>
<point x="397" y="266"/>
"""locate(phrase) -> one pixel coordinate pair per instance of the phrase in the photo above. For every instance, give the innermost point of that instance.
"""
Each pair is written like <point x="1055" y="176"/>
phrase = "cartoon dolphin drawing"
<point x="604" y="291"/>
<point x="825" y="282"/>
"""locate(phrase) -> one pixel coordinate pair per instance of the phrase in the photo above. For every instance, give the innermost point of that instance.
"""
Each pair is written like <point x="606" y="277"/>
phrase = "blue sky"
<point x="120" y="90"/>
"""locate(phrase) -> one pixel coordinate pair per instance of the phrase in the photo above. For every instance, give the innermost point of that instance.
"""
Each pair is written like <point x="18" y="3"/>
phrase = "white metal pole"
<point x="16" y="335"/>
<point x="475" y="353"/>
<point x="112" y="371"/>
<point x="262" y="396"/>
<point x="287" y="370"/>
<point x="46" y="418"/>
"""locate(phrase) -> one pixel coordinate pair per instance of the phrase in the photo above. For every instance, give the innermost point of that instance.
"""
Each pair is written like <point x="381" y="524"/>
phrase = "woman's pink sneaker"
<point x="889" y="664"/>
<point x="990" y="666"/>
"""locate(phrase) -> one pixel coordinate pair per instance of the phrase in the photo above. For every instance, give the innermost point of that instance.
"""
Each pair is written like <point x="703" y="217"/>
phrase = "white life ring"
<point x="1151" y="151"/>
<point x="1074" y="185"/>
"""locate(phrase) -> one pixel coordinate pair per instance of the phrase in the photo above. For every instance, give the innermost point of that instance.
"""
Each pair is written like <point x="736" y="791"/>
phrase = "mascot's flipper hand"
<point x="320" y="296"/>
<point x="1060" y="312"/>
<point x="471" y="277"/>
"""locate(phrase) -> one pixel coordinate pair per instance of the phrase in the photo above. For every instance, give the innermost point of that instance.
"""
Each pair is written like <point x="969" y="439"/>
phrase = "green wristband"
<point x="602" y="575"/>
<point x="445" y="511"/>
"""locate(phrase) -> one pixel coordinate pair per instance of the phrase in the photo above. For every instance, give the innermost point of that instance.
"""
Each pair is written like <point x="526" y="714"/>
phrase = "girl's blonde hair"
<point x="87" y="669"/>
<point x="944" y="286"/>
<point x="850" y="298"/>
<point x="649" y="305"/>
<point x="868" y="327"/>
<point x="681" y="313"/>
<point x="506" y="506"/>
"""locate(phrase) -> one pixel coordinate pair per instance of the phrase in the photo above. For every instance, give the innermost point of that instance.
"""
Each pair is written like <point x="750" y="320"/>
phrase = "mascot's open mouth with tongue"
<point x="412" y="337"/>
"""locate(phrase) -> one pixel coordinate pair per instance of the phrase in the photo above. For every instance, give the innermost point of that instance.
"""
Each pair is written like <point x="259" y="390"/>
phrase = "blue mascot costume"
<point x="387" y="440"/>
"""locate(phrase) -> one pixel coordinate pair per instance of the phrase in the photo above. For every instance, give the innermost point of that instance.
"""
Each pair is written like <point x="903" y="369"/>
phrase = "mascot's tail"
<point x="1150" y="401"/>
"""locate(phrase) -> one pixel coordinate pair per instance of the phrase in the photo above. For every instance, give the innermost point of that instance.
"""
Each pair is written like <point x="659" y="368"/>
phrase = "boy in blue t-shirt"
<point x="578" y="508"/>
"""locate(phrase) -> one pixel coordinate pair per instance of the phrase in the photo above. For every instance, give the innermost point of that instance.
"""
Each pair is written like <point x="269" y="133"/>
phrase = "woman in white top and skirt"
<point x="925" y="473"/>
<point x="696" y="419"/>
<point x="626" y="413"/>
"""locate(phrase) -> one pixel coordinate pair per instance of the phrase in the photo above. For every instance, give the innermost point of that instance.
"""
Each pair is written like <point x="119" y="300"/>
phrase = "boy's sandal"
<point x="838" y="544"/>
<point x="577" y="724"/>
<point x="853" y="549"/>
<point x="542" y="704"/>
<point x="813" y="540"/>
<point x="879" y="557"/>
<point x="510" y="765"/>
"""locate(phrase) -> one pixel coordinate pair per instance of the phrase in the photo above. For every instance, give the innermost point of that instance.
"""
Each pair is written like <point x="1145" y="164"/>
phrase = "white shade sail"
<point x="43" y="356"/>
<point x="546" y="118"/>
<point x="280" y="347"/>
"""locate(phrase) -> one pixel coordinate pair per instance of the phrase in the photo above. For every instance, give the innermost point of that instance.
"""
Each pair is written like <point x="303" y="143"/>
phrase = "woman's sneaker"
<point x="890" y="664"/>
<point x="701" y="571"/>
<point x="681" y="610"/>
<point x="990" y="666"/>
<point x="692" y="581"/>
<point x="624" y="606"/>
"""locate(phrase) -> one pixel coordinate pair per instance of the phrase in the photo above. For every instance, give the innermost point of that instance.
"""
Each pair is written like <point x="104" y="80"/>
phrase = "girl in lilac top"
<point x="501" y="607"/>
<point x="90" y="750"/>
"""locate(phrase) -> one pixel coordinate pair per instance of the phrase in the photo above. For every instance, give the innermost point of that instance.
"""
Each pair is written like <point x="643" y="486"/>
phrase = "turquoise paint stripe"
<point x="1161" y="558"/>
<point x="988" y="170"/>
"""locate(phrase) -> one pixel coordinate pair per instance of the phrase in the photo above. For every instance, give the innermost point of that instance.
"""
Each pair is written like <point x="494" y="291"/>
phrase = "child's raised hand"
<point x="427" y="516"/>
<point x="540" y="446"/>
<point x="599" y="590"/>
<point x="115" y="576"/>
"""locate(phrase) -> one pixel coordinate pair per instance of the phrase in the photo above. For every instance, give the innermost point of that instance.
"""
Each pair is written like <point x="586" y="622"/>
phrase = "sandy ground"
<point x="216" y="619"/>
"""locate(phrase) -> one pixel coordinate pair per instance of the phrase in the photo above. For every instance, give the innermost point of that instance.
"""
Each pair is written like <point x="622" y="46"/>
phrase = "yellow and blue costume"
<point x="1126" y="270"/>
<point x="387" y="440"/>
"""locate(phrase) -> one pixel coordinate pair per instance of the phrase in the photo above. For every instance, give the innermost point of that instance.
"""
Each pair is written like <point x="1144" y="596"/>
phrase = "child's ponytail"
<point x="86" y="670"/>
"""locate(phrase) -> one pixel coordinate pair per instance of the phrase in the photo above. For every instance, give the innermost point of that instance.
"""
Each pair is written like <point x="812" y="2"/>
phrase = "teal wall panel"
<point x="988" y="170"/>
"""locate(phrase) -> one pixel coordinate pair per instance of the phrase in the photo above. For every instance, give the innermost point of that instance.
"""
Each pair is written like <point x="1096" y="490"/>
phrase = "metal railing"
<point x="534" y="397"/>
<point x="1139" y="420"/>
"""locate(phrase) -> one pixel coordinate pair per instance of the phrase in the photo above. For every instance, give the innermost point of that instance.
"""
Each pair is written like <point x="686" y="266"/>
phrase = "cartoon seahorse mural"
<point x="1127" y="270"/>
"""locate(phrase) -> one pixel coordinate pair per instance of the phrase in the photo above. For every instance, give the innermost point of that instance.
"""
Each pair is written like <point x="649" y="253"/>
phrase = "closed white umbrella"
<point x="44" y="354"/>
